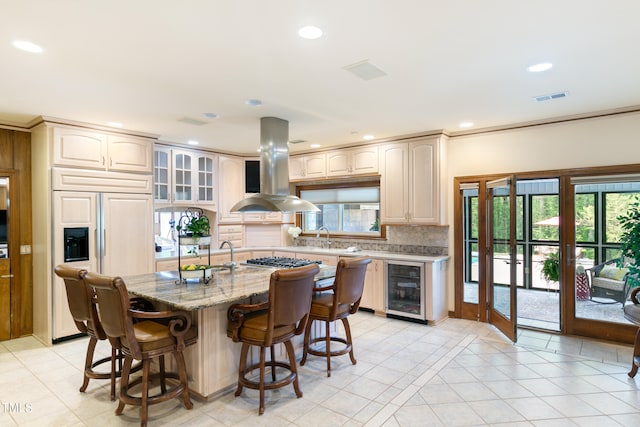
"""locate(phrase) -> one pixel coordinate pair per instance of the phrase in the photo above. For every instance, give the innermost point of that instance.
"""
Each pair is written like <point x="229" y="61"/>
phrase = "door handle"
<point x="6" y="276"/>
<point x="570" y="259"/>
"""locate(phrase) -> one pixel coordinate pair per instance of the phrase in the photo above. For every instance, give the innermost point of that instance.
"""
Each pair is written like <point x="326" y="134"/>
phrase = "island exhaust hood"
<point x="274" y="173"/>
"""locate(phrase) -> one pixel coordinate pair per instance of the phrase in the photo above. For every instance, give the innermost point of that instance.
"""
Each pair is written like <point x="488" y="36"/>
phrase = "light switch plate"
<point x="25" y="249"/>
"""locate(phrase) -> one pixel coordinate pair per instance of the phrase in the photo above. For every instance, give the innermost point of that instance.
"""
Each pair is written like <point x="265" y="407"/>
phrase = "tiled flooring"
<point x="458" y="373"/>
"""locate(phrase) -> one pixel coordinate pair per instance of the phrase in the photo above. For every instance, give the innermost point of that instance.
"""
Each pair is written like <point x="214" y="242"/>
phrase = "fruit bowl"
<point x="195" y="271"/>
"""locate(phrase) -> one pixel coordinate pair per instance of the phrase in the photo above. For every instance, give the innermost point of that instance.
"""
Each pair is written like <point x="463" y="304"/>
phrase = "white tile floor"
<point x="458" y="373"/>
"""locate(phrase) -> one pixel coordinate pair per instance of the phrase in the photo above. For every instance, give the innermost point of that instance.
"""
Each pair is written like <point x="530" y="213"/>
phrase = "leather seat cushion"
<point x="153" y="335"/>
<point x="602" y="282"/>
<point x="254" y="328"/>
<point x="632" y="313"/>
<point x="321" y="305"/>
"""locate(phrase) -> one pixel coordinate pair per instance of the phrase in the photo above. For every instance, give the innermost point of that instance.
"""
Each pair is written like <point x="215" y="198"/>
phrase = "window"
<point x="345" y="209"/>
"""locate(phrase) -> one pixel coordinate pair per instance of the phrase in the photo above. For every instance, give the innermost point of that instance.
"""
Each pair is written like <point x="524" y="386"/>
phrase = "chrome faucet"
<point x="231" y="265"/>
<point x="327" y="230"/>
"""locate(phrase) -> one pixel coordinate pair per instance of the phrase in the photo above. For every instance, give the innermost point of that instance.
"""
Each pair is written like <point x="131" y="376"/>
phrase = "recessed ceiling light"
<point x="315" y="145"/>
<point x="310" y="32"/>
<point x="368" y="137"/>
<point x="465" y="124"/>
<point x="27" y="46"/>
<point x="193" y="142"/>
<point x="115" y="124"/>
<point x="544" y="66"/>
<point x="210" y="115"/>
<point x="253" y="102"/>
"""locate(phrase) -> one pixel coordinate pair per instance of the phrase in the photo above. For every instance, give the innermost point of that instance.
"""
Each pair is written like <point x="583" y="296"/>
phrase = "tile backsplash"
<point x="414" y="240"/>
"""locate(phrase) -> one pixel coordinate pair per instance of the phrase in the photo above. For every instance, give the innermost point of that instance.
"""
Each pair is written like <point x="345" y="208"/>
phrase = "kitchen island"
<point x="212" y="363"/>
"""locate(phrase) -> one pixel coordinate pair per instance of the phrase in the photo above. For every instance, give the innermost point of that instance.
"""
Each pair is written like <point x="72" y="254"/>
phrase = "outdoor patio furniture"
<point x="607" y="280"/>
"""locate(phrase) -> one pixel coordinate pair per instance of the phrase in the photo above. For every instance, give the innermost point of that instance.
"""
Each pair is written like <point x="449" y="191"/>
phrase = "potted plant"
<point x="551" y="267"/>
<point x="630" y="242"/>
<point x="194" y="226"/>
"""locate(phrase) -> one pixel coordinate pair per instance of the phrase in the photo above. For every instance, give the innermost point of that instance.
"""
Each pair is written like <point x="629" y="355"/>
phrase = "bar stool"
<point x="274" y="321"/>
<point x="343" y="300"/>
<point x="632" y="314"/>
<point x="83" y="310"/>
<point x="144" y="340"/>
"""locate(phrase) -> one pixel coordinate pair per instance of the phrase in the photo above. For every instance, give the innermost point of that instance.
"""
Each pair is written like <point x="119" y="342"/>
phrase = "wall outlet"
<point x="25" y="249"/>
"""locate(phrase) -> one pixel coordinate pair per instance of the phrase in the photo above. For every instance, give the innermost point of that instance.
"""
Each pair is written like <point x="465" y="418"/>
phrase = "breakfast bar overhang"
<point x="212" y="363"/>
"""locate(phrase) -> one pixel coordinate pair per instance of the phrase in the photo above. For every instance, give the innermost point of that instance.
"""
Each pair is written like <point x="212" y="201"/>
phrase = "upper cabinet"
<point x="95" y="150"/>
<point x="412" y="176"/>
<point x="185" y="177"/>
<point x="308" y="166"/>
<point x="162" y="189"/>
<point x="355" y="161"/>
<point x="231" y="188"/>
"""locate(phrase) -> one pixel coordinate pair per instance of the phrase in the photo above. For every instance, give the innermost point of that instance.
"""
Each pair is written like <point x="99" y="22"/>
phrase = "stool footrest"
<point x="340" y="352"/>
<point x="268" y="385"/>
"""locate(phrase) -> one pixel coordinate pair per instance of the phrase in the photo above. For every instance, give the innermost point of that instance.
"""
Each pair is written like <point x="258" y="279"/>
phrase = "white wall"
<point x="602" y="141"/>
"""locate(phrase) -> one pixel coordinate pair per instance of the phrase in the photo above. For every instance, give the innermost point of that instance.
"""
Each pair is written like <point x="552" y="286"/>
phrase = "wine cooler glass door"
<point x="405" y="289"/>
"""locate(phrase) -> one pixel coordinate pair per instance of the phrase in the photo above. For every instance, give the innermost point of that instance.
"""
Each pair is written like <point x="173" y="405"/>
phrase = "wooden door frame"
<point x="569" y="324"/>
<point x="13" y="246"/>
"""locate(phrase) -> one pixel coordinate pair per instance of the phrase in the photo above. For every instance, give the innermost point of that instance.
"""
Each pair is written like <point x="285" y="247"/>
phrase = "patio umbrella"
<point x="553" y="221"/>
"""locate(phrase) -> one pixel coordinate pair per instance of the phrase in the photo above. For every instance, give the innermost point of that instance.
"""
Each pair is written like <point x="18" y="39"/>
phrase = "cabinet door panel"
<point x="231" y="173"/>
<point x="365" y="160"/>
<point x="130" y="154"/>
<point x="338" y="163"/>
<point x="129" y="245"/>
<point x="78" y="148"/>
<point x="422" y="185"/>
<point x="316" y="166"/>
<point x="393" y="183"/>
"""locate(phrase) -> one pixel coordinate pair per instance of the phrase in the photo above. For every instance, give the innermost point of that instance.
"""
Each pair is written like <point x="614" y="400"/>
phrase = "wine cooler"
<point x="405" y="289"/>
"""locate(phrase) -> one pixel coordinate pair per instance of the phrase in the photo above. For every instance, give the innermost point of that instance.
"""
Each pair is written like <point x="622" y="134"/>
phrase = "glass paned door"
<point x="5" y="262"/>
<point x="502" y="255"/>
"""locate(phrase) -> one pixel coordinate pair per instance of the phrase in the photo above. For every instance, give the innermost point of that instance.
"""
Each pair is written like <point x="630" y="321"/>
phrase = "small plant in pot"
<point x="194" y="225"/>
<point x="551" y="268"/>
<point x="630" y="242"/>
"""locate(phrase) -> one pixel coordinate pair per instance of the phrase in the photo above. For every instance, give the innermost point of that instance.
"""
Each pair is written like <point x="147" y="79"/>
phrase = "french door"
<point x="501" y="255"/>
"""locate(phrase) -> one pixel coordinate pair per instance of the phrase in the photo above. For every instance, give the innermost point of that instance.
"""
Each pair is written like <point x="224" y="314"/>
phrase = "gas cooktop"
<point x="281" y="262"/>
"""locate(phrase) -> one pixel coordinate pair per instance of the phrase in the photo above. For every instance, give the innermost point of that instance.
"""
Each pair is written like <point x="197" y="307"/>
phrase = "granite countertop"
<point x="168" y="255"/>
<point x="224" y="286"/>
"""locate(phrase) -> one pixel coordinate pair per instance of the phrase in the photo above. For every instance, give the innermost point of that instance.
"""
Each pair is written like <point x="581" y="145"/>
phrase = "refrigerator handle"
<point x="104" y="242"/>
<point x="97" y="245"/>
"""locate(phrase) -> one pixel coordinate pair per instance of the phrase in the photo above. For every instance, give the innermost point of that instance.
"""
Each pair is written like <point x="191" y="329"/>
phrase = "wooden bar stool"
<point x="81" y="301"/>
<point x="274" y="321"/>
<point x="153" y="335"/>
<point x="342" y="300"/>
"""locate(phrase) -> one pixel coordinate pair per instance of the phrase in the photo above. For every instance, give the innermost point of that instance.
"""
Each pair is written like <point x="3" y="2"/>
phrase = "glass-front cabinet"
<point x="184" y="177"/>
<point x="405" y="289"/>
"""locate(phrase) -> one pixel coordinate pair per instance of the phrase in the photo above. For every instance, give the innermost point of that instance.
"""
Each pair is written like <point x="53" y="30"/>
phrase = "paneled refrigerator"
<point x="109" y="233"/>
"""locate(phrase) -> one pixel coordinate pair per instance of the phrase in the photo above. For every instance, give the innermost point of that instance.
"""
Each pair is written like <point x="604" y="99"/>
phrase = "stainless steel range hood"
<point x="274" y="173"/>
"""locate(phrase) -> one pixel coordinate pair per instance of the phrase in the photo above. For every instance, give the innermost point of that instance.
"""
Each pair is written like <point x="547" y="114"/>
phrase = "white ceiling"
<point x="148" y="63"/>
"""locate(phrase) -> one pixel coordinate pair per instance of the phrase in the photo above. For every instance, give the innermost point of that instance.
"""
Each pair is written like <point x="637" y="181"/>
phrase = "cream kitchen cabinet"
<point x="356" y="161"/>
<point x="233" y="233"/>
<point x="263" y="217"/>
<point x="309" y="166"/>
<point x="95" y="150"/>
<point x="326" y="259"/>
<point x="162" y="189"/>
<point x="411" y="180"/>
<point x="231" y="179"/>
<point x="184" y="177"/>
<point x="373" y="293"/>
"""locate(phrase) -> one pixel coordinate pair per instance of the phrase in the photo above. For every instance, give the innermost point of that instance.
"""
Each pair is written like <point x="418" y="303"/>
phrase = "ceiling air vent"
<point x="297" y="141"/>
<point x="365" y="70"/>
<point x="192" y="121"/>
<point x="551" y="97"/>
